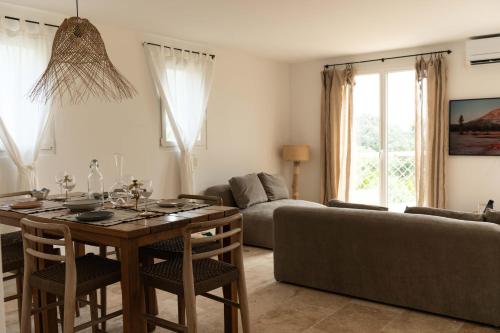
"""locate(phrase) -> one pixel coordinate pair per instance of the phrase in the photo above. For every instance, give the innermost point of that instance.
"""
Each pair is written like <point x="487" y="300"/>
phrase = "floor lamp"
<point x="296" y="154"/>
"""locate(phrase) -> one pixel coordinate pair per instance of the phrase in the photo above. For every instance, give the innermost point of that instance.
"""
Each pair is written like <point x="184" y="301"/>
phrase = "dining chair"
<point x="12" y="256"/>
<point x="198" y="273"/>
<point x="68" y="278"/>
<point x="12" y="265"/>
<point x="173" y="247"/>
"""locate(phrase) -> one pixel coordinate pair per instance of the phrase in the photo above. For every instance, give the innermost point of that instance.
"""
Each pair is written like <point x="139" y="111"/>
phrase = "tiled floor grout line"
<point x="326" y="317"/>
<point x="390" y="321"/>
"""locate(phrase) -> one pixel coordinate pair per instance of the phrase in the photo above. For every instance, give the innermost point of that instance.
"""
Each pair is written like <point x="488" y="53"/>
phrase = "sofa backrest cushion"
<point x="445" y="213"/>
<point x="343" y="204"/>
<point x="274" y="185"/>
<point x="223" y="192"/>
<point x="247" y="190"/>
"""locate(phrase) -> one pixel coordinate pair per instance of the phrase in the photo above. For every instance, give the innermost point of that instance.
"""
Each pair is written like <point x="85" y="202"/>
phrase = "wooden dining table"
<point x="129" y="237"/>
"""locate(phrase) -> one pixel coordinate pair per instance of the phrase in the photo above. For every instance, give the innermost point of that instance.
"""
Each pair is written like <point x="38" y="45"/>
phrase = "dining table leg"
<point x="132" y="293"/>
<point x="150" y="295"/>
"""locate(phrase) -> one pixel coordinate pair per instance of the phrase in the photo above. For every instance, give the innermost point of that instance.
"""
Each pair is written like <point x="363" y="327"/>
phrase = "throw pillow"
<point x="452" y="214"/>
<point x="274" y="186"/>
<point x="247" y="190"/>
<point x="343" y="204"/>
<point x="492" y="216"/>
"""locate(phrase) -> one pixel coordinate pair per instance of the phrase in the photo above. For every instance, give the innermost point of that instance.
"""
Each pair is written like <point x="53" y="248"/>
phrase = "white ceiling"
<point x="296" y="30"/>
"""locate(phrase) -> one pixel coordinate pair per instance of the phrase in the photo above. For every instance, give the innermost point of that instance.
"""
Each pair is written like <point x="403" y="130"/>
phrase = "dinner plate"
<point x="83" y="204"/>
<point x="95" y="216"/>
<point x="26" y="204"/>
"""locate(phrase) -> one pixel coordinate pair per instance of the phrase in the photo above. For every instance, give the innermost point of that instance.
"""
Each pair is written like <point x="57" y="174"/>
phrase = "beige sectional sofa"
<point x="258" y="226"/>
<point x="441" y="265"/>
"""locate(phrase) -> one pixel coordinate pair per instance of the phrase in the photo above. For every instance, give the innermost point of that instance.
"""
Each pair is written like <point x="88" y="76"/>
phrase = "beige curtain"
<point x="431" y="129"/>
<point x="336" y="125"/>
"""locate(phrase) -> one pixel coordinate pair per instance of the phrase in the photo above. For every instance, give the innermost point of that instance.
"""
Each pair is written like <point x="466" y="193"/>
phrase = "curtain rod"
<point x="175" y="48"/>
<point x="30" y="21"/>
<point x="389" y="58"/>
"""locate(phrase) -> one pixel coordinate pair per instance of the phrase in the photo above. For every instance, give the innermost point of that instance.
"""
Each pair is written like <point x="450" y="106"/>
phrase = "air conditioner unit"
<point x="483" y="50"/>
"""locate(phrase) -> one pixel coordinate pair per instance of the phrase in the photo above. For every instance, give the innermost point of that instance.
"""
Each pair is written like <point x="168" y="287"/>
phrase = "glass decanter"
<point x="119" y="193"/>
<point x="95" y="182"/>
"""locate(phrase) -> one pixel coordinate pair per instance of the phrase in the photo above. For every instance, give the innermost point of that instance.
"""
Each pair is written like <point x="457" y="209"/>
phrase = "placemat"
<point x="173" y="210"/>
<point x="121" y="216"/>
<point x="47" y="206"/>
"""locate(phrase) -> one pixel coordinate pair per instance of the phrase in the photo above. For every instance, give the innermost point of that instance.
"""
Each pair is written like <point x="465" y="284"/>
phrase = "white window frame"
<point x="384" y="125"/>
<point x="164" y="142"/>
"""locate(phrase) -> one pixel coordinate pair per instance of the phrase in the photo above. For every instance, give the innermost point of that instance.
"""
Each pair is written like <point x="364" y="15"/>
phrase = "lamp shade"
<point x="296" y="153"/>
<point x="79" y="66"/>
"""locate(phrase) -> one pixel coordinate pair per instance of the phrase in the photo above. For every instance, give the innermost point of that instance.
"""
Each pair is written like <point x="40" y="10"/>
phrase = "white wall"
<point x="469" y="179"/>
<point x="248" y="120"/>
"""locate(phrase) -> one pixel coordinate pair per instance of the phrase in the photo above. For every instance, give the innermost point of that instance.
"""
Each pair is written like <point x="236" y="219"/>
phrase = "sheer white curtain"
<point x="183" y="81"/>
<point x="24" y="54"/>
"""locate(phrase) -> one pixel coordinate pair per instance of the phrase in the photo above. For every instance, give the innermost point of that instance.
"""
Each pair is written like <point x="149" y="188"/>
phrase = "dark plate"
<point x="95" y="216"/>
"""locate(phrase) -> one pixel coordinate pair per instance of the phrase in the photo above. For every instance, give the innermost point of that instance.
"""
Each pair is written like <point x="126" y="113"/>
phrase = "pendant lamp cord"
<point x="77" y="9"/>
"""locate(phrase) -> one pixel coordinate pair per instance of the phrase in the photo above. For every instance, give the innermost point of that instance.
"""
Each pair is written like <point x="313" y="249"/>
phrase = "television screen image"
<point x="475" y="127"/>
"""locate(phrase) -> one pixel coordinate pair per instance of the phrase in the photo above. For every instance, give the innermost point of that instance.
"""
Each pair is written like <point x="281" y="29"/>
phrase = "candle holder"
<point x="136" y="189"/>
<point x="68" y="184"/>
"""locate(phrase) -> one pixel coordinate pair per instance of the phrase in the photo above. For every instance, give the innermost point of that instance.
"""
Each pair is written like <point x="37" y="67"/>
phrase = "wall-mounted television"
<point x="475" y="127"/>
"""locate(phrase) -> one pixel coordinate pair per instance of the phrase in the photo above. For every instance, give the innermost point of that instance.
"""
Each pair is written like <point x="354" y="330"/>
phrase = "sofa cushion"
<point x="274" y="185"/>
<point x="452" y="214"/>
<point x="247" y="190"/>
<point x="343" y="204"/>
<point x="223" y="192"/>
<point x="258" y="221"/>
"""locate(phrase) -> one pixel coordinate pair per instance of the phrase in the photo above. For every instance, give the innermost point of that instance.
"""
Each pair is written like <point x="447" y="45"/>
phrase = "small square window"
<point x="168" y="136"/>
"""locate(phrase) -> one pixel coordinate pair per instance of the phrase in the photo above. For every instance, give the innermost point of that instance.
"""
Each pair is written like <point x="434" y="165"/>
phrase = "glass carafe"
<point x="118" y="158"/>
<point x="119" y="192"/>
<point x="95" y="182"/>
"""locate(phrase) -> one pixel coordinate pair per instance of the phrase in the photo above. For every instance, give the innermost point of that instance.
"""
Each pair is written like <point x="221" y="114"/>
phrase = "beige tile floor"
<point x="278" y="307"/>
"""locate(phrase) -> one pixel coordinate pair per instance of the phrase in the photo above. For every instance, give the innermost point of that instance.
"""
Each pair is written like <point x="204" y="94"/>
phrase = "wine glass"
<point x="59" y="180"/>
<point x="146" y="192"/>
<point x="69" y="183"/>
<point x="119" y="195"/>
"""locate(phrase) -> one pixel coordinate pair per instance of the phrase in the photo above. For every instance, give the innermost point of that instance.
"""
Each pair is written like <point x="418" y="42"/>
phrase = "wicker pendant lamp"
<point x="79" y="67"/>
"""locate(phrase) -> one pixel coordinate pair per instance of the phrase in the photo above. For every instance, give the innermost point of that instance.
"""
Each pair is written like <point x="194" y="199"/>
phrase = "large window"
<point x="383" y="150"/>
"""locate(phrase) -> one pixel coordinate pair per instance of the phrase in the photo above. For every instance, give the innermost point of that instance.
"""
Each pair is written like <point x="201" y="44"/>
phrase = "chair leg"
<point x="77" y="309"/>
<point x="190" y="300"/>
<point x="19" y="291"/>
<point x="244" y="310"/>
<point x="117" y="252"/>
<point x="104" y="301"/>
<point x="181" y="310"/>
<point x="61" y="311"/>
<point x="70" y="305"/>
<point x="103" y="292"/>
<point x="242" y="292"/>
<point x="94" y="316"/>
<point x="26" y="307"/>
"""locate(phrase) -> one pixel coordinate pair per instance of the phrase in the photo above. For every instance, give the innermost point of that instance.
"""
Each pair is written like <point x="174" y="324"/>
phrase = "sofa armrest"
<point x="223" y="192"/>
<point x="342" y="204"/>
<point x="208" y="198"/>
